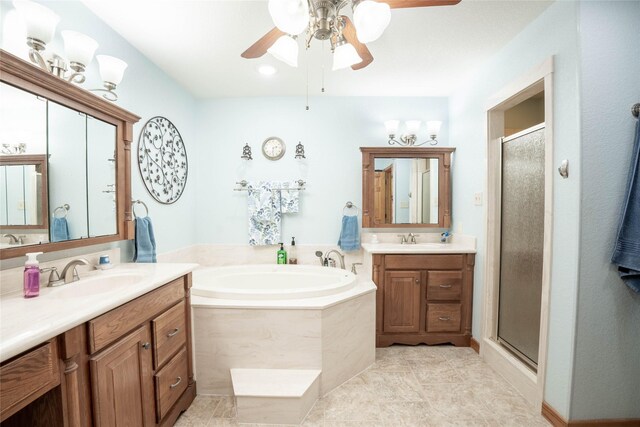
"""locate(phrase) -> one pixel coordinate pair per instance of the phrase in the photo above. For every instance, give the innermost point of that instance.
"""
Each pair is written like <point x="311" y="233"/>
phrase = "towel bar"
<point x="133" y="207"/>
<point x="243" y="186"/>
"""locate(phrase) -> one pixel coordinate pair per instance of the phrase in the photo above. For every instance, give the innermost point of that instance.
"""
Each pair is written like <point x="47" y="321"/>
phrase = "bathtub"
<point x="281" y="317"/>
<point x="269" y="282"/>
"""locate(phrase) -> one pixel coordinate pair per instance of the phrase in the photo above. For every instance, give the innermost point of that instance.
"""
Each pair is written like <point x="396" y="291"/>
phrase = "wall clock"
<point x="273" y="148"/>
<point x="162" y="160"/>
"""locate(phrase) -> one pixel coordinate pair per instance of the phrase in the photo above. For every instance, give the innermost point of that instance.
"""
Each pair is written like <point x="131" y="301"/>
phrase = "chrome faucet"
<point x="340" y="257"/>
<point x="412" y="238"/>
<point x="13" y="240"/>
<point x="403" y="239"/>
<point x="69" y="272"/>
<point x="54" y="277"/>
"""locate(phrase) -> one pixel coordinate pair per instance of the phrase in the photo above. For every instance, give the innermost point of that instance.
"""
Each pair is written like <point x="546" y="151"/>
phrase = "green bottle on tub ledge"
<point x="282" y="255"/>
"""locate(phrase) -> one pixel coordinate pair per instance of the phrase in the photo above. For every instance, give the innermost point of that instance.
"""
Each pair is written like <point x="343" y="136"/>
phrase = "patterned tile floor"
<point x="407" y="386"/>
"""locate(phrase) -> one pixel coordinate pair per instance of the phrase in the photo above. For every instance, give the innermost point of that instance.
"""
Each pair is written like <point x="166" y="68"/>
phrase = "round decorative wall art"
<point x="162" y="160"/>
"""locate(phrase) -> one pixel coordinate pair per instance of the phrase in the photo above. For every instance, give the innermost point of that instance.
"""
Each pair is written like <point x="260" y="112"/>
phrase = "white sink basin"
<point x="96" y="285"/>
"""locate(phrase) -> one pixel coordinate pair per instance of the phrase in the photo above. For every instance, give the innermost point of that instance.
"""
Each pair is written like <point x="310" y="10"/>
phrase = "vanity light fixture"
<point x="412" y="127"/>
<point x="41" y="25"/>
<point x="246" y="153"/>
<point x="300" y="151"/>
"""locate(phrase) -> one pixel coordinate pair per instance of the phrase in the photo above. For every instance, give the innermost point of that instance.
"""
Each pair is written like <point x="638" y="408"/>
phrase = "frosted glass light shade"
<point x="345" y="56"/>
<point x="290" y="16"/>
<point x="413" y="126"/>
<point x="79" y="48"/>
<point x="392" y="126"/>
<point x="111" y="68"/>
<point x="433" y="127"/>
<point x="41" y="22"/>
<point x="371" y="19"/>
<point x="286" y="50"/>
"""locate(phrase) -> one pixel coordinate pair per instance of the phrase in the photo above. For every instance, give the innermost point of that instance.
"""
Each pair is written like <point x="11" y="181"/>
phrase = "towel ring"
<point x="350" y="205"/>
<point x="64" y="209"/>
<point x="133" y="207"/>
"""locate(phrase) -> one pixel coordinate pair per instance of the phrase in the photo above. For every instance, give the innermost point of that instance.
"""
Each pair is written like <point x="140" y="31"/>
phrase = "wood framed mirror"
<point x="406" y="187"/>
<point x="84" y="144"/>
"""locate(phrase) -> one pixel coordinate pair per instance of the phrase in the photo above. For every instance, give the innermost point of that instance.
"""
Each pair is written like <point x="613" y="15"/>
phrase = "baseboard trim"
<point x="558" y="421"/>
<point x="475" y="345"/>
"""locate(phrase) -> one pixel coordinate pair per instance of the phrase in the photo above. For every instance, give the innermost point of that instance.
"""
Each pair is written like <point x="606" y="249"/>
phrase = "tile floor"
<point x="407" y="386"/>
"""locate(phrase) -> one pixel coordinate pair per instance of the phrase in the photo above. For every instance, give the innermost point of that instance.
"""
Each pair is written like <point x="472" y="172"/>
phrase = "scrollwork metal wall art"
<point x="162" y="160"/>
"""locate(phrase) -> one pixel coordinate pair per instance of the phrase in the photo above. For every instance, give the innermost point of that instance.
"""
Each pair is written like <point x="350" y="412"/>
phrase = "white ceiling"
<point x="423" y="52"/>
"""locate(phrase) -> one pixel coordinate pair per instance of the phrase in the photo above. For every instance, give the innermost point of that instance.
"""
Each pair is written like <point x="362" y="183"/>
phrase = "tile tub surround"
<point x="25" y="323"/>
<point x="419" y="386"/>
<point x="338" y="338"/>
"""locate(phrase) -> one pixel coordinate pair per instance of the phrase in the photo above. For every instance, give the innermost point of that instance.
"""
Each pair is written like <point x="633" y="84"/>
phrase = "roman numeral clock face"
<point x="273" y="148"/>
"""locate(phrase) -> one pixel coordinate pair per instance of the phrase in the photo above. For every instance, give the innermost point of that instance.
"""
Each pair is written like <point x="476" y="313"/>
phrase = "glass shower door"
<point x="522" y="236"/>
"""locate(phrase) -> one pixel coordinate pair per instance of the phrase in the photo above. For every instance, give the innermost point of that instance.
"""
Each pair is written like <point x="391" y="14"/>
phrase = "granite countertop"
<point x="25" y="323"/>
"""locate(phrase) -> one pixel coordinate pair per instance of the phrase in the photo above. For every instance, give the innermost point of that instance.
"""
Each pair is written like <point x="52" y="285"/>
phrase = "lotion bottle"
<point x="282" y="255"/>
<point x="293" y="259"/>
<point x="32" y="275"/>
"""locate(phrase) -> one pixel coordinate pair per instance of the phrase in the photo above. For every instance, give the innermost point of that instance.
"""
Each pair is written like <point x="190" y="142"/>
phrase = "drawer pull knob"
<point x="445" y="286"/>
<point x="417" y="280"/>
<point x="173" y="333"/>
<point x="146" y="346"/>
<point x="444" y="318"/>
<point x="174" y="385"/>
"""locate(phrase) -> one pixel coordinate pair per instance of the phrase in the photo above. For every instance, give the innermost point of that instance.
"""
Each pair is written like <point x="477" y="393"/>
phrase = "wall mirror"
<point x="65" y="163"/>
<point x="406" y="187"/>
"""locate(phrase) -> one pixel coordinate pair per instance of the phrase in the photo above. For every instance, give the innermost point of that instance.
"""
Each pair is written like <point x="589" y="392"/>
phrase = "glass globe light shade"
<point x="111" y="68"/>
<point x="345" y="56"/>
<point x="286" y="50"/>
<point x="79" y="48"/>
<point x="433" y="127"/>
<point x="413" y="126"/>
<point x="41" y="21"/>
<point x="371" y="19"/>
<point x="290" y="16"/>
<point x="392" y="126"/>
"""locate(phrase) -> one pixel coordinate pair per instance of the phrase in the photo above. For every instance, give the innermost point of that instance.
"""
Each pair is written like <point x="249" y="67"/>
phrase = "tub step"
<point x="275" y="396"/>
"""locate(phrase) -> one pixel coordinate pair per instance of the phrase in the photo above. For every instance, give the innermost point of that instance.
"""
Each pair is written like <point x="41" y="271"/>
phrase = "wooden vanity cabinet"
<point x="423" y="298"/>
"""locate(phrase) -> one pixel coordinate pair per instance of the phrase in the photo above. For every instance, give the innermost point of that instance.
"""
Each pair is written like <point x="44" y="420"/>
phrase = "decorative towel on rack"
<point x="626" y="254"/>
<point x="145" y="243"/>
<point x="289" y="199"/>
<point x="59" y="229"/>
<point x="349" y="234"/>
<point x="263" y="204"/>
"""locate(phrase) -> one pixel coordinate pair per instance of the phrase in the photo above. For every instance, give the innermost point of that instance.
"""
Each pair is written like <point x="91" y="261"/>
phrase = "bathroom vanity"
<point x="119" y="350"/>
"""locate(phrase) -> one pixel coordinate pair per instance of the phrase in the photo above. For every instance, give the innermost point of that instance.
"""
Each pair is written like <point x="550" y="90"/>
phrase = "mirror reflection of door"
<point x="383" y="195"/>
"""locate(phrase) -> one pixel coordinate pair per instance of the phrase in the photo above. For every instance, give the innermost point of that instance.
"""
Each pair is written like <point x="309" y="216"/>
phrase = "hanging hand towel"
<point x="59" y="229"/>
<point x="289" y="199"/>
<point x="349" y="234"/>
<point x="626" y="254"/>
<point x="263" y="206"/>
<point x="145" y="243"/>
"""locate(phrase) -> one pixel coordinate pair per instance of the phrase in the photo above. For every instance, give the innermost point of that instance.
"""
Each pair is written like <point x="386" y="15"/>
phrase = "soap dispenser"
<point x="282" y="254"/>
<point x="32" y="275"/>
<point x="293" y="259"/>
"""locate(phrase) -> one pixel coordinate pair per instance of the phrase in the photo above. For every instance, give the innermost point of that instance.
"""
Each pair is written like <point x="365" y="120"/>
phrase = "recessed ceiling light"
<point x="267" y="70"/>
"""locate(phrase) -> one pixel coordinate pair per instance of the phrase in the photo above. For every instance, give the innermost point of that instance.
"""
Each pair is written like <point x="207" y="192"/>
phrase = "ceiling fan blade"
<point x="349" y="33"/>
<point x="260" y="47"/>
<point x="401" y="4"/>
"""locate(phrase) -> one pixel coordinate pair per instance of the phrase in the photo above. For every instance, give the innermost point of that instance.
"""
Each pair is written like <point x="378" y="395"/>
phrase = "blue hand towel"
<point x="350" y="234"/>
<point x="626" y="254"/>
<point x="145" y="244"/>
<point x="59" y="229"/>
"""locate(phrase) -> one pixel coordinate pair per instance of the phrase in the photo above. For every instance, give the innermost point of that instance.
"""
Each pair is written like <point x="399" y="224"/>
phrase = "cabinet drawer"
<point x="110" y="326"/>
<point x="168" y="333"/>
<point x="28" y="377"/>
<point x="444" y="285"/>
<point x="424" y="262"/>
<point x="443" y="317"/>
<point x="171" y="382"/>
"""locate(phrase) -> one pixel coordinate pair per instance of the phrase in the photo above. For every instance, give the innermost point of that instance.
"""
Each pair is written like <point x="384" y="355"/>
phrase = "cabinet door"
<point x="122" y="382"/>
<point x="402" y="301"/>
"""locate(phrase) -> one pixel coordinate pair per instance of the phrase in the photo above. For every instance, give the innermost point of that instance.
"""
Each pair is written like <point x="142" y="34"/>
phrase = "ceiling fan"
<point x="322" y="20"/>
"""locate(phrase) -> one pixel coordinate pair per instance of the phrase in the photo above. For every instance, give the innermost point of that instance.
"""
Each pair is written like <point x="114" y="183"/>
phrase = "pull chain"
<point x="306" y="54"/>
<point x="322" y="89"/>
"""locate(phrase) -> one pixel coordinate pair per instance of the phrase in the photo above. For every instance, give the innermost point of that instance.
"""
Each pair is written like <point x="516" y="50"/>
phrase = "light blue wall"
<point x="146" y="91"/>
<point x="332" y="132"/>
<point x="607" y="355"/>
<point x="554" y="32"/>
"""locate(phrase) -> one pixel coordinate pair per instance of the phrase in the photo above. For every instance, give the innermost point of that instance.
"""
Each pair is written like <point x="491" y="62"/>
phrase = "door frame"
<point x="529" y="383"/>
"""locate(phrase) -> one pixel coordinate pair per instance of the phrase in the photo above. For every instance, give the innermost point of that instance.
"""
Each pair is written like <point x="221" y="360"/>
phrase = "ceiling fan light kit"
<point x="322" y="20"/>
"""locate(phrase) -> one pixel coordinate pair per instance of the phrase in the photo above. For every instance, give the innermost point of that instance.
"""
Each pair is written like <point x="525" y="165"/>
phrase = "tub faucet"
<point x="340" y="257"/>
<point x="69" y="272"/>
